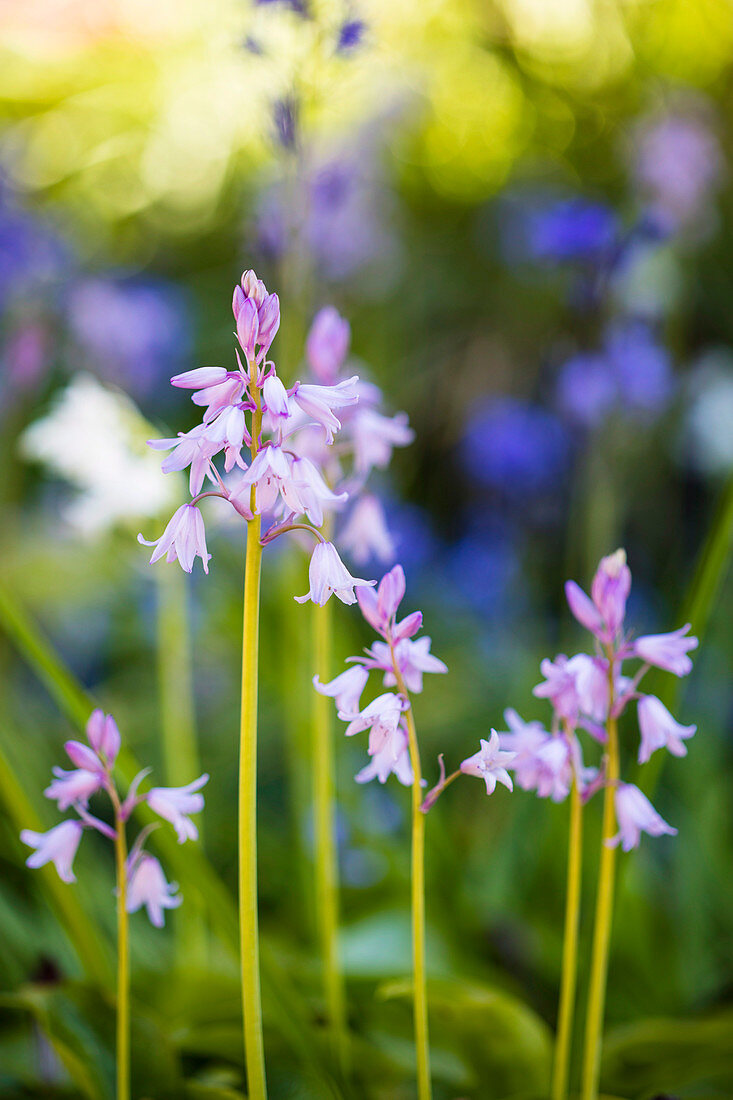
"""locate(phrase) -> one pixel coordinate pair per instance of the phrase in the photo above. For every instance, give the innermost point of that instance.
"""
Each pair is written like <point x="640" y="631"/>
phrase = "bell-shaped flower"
<point x="328" y="576"/>
<point x="490" y="764"/>
<point x="327" y="344"/>
<point x="312" y="491"/>
<point x="69" y="788"/>
<point x="382" y="717"/>
<point x="271" y="473"/>
<point x="176" y="803"/>
<point x="636" y="815"/>
<point x="365" y="534"/>
<point x="195" y="449"/>
<point x="222" y="394"/>
<point x="57" y="846"/>
<point x="603" y="614"/>
<point x="147" y="886"/>
<point x="229" y="430"/>
<point x="375" y="436"/>
<point x="275" y="398"/>
<point x="667" y="651"/>
<point x="345" y="689"/>
<point x="660" y="730"/>
<point x="104" y="736"/>
<point x="413" y="659"/>
<point x="524" y="739"/>
<point x="318" y="402"/>
<point x="183" y="539"/>
<point x="392" y="759"/>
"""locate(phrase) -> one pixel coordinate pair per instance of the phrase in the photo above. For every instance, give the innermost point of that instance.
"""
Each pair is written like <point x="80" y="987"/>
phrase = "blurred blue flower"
<point x="571" y="230"/>
<point x="132" y="331"/>
<point x="351" y="35"/>
<point x="515" y="447"/>
<point x="632" y="374"/>
<point x="32" y="255"/>
<point x="484" y="567"/>
<point x="285" y="119"/>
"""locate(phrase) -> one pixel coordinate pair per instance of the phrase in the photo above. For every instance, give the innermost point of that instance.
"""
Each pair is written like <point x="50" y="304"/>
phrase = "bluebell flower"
<point x="515" y="447"/>
<point x="351" y="35"/>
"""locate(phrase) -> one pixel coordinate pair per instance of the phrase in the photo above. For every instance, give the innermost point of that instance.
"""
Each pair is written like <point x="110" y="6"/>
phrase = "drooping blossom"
<point x="57" y="846"/>
<point x="176" y="803"/>
<point x="365" y="534"/>
<point x="667" y="651"/>
<point x="636" y="815"/>
<point x="183" y="540"/>
<point x="346" y="689"/>
<point x="68" y="788"/>
<point x="577" y="687"/>
<point x="659" y="729"/>
<point x="328" y="576"/>
<point x="490" y="764"/>
<point x="147" y="886"/>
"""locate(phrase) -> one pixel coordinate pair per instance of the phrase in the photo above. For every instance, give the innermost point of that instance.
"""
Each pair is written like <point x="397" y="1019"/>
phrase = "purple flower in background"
<point x="327" y="344"/>
<point x="365" y="535"/>
<point x="132" y="331"/>
<point x="33" y="258"/>
<point x="515" y="447"/>
<point x="27" y="355"/>
<point x="660" y="730"/>
<point x="490" y="764"/>
<point x="636" y="815"/>
<point x="351" y="34"/>
<point x="678" y="165"/>
<point x="569" y="230"/>
<point x="285" y="121"/>
<point x="631" y="373"/>
<point x="147" y="886"/>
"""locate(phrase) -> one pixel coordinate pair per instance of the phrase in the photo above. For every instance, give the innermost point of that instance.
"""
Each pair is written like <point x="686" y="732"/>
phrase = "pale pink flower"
<point x="345" y="689"/>
<point x="379" y="608"/>
<point x="327" y="344"/>
<point x="659" y="729"/>
<point x="57" y="846"/>
<point x="375" y="436"/>
<point x="275" y="398"/>
<point x="636" y="815"/>
<point x="365" y="534"/>
<point x="195" y="449"/>
<point x="176" y="803"/>
<point x="271" y="473"/>
<point x="318" y="402"/>
<point x="576" y="686"/>
<point x="382" y="717"/>
<point x="184" y="539"/>
<point x="392" y="759"/>
<point x="221" y="394"/>
<point x="413" y="658"/>
<point x="200" y="378"/>
<point x="329" y="576"/>
<point x="312" y="491"/>
<point x="667" y="651"/>
<point x="147" y="886"/>
<point x="490" y="764"/>
<point x="68" y="788"/>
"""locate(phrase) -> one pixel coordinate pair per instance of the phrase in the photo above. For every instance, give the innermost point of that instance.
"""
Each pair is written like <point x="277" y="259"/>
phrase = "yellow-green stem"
<point x="604" y="914"/>
<point x="249" y="936"/>
<point x="420" y="996"/>
<point x="326" y="851"/>
<point x="569" y="977"/>
<point x="123" y="964"/>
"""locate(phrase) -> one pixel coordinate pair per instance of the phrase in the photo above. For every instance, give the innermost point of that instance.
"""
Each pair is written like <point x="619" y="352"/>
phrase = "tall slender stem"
<point x="123" y="962"/>
<point x="604" y="913"/>
<point x="569" y="978"/>
<point x="249" y="938"/>
<point x="420" y="996"/>
<point x="326" y="849"/>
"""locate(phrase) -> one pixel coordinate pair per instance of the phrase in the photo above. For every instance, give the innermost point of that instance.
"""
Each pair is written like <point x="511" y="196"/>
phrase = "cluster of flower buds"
<point x="93" y="773"/>
<point x="287" y="435"/>
<point x="586" y="690"/>
<point x="402" y="660"/>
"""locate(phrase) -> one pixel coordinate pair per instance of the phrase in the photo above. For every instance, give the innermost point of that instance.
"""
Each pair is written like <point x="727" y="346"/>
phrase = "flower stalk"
<point x="123" y="959"/>
<point x="568" y="982"/>
<point x="420" y="996"/>
<point x="326" y="849"/>
<point x="247" y="795"/>
<point x="604" y="909"/>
